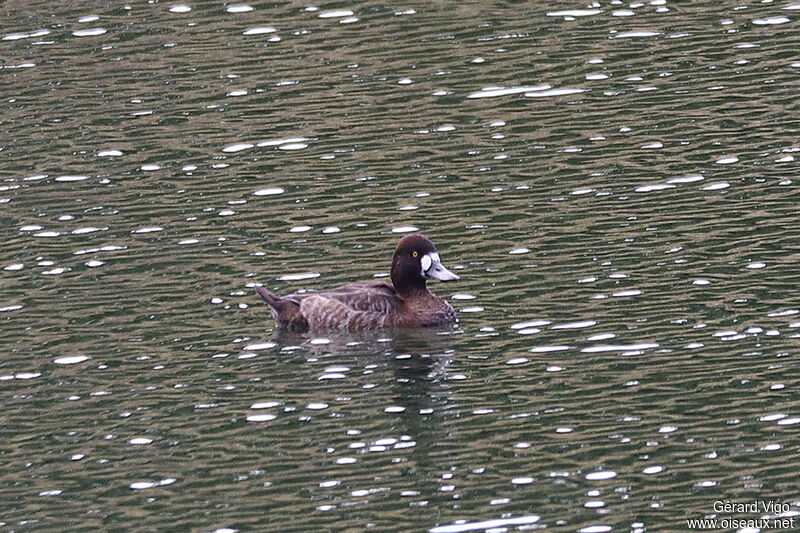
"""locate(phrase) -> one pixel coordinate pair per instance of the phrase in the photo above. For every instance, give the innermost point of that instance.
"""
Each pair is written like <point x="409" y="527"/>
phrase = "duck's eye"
<point x="414" y="254"/>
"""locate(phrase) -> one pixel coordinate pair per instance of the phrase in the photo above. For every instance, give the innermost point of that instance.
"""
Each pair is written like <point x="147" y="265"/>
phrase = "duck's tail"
<point x="285" y="311"/>
<point x="276" y="302"/>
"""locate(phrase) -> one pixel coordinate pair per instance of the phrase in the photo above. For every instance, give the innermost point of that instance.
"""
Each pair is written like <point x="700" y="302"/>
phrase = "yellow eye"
<point x="415" y="254"/>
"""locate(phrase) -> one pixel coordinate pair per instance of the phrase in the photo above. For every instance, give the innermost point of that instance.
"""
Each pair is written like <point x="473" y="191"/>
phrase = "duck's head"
<point x="415" y="261"/>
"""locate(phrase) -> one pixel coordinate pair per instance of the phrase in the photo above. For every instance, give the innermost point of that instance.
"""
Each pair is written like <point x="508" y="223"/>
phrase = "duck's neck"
<point x="408" y="287"/>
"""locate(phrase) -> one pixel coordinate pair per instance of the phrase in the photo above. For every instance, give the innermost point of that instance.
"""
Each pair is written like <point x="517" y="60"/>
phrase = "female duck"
<point x="405" y="303"/>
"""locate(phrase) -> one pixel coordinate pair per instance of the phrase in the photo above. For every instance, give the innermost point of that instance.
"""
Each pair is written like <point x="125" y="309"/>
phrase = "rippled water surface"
<point x="615" y="183"/>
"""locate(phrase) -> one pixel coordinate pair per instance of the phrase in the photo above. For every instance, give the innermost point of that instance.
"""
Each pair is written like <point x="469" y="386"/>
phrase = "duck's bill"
<point x="438" y="271"/>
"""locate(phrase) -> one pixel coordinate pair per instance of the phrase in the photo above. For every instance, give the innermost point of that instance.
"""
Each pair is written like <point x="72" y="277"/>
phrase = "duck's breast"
<point x="426" y="310"/>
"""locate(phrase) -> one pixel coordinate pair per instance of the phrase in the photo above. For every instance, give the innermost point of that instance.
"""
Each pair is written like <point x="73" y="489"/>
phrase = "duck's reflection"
<point x="417" y="393"/>
<point x="422" y="342"/>
<point x="418" y="357"/>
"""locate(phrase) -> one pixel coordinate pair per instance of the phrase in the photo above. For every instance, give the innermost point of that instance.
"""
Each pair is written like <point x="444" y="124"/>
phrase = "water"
<point x="614" y="183"/>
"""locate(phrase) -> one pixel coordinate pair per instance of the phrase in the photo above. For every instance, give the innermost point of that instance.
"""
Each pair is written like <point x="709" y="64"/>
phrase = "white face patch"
<point x="432" y="267"/>
<point x="426" y="261"/>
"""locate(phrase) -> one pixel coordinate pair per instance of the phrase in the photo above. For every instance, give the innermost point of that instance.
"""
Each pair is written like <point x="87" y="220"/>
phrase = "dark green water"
<point x="616" y="187"/>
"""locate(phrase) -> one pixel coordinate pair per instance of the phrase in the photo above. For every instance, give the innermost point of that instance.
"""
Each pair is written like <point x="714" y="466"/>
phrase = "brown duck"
<point x="405" y="303"/>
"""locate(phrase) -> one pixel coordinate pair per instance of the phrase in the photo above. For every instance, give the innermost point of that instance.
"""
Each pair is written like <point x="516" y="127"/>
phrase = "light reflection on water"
<point x="613" y="183"/>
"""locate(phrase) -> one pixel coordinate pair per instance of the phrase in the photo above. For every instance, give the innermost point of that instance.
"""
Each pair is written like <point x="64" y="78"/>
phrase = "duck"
<point x="406" y="302"/>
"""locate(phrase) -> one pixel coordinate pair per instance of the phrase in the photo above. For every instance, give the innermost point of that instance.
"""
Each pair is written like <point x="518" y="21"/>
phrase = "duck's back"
<point x="373" y="296"/>
<point x="364" y="305"/>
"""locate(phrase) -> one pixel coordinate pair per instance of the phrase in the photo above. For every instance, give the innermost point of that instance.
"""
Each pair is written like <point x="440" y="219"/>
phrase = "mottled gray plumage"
<point x="405" y="303"/>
